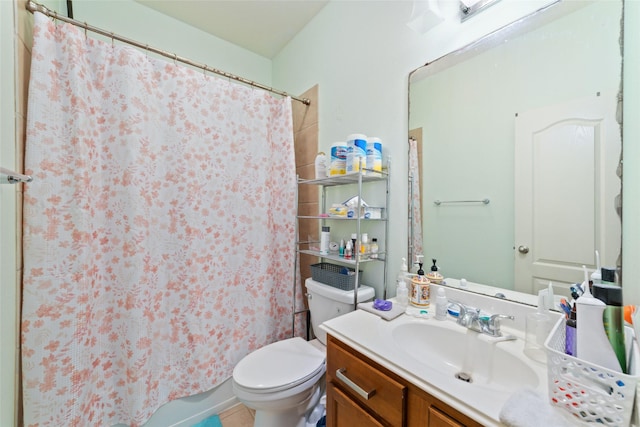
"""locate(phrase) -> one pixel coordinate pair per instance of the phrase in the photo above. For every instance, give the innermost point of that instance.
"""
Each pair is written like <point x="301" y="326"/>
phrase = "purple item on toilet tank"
<point x="382" y="305"/>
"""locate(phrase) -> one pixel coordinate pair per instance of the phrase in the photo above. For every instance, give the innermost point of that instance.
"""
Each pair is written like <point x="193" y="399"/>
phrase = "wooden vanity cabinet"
<point x="362" y="393"/>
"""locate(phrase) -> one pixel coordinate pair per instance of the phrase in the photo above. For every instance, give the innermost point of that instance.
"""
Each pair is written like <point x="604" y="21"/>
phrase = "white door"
<point x="566" y="185"/>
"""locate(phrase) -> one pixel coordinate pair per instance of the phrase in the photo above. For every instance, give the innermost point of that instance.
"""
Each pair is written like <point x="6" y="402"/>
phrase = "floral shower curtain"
<point x="415" y="201"/>
<point x="158" y="230"/>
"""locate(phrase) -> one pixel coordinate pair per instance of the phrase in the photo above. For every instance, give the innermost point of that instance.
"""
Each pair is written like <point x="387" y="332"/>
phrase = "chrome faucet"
<point x="470" y="318"/>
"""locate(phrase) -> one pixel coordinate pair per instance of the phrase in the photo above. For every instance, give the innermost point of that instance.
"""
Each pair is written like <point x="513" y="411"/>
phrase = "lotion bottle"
<point x="592" y="343"/>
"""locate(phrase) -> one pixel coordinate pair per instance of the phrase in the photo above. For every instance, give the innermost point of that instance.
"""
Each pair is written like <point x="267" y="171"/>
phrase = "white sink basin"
<point x="482" y="361"/>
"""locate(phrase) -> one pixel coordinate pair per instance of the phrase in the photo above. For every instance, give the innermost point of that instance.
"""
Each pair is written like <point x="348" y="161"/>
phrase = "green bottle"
<point x="613" y="318"/>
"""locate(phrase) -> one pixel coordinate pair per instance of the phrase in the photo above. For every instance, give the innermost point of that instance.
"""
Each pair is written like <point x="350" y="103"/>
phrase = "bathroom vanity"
<point x="389" y="399"/>
<point x="414" y="371"/>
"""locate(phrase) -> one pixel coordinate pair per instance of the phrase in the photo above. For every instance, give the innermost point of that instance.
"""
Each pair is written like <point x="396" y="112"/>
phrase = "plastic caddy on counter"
<point x="590" y="392"/>
<point x="335" y="275"/>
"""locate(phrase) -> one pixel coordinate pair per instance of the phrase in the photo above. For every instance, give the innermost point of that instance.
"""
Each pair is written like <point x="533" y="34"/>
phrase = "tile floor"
<point x="237" y="416"/>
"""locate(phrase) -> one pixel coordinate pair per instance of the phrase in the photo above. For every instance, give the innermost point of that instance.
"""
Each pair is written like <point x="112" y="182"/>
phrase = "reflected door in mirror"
<point x="565" y="170"/>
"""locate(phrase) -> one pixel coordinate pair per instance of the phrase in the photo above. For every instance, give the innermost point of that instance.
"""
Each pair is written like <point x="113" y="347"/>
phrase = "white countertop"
<point x="372" y="336"/>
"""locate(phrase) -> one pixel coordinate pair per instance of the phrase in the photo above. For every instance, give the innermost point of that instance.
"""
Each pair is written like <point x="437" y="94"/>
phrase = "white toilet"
<point x="284" y="381"/>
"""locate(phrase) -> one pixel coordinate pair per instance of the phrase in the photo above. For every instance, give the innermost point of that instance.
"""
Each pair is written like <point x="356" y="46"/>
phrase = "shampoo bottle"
<point x="592" y="343"/>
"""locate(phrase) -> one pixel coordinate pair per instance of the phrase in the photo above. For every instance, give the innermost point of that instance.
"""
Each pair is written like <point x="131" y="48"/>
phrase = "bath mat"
<point x="213" y="421"/>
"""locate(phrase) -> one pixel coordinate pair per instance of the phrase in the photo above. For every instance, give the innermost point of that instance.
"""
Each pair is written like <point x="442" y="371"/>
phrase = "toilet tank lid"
<point x="365" y="293"/>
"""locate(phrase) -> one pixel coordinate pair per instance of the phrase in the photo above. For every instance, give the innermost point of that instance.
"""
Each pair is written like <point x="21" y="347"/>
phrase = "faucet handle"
<point x="493" y="324"/>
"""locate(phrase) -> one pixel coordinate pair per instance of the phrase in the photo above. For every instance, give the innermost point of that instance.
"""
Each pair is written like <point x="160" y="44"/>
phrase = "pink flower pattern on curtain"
<point x="158" y="231"/>
<point x="415" y="201"/>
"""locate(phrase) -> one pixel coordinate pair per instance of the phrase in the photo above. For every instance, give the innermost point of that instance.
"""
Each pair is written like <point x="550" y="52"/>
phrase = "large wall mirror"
<point x="519" y="145"/>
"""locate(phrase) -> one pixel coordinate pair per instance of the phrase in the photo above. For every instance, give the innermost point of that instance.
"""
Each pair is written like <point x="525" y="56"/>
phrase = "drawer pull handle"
<point x="355" y="387"/>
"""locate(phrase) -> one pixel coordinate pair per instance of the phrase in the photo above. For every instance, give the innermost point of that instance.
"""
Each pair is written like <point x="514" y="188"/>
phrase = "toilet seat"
<point x="279" y="366"/>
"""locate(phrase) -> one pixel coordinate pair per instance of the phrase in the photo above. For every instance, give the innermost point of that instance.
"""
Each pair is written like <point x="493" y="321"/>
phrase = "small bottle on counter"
<point x="402" y="293"/>
<point x="441" y="305"/>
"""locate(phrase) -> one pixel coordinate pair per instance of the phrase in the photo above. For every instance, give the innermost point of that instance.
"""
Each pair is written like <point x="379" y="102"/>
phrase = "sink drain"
<point x="463" y="376"/>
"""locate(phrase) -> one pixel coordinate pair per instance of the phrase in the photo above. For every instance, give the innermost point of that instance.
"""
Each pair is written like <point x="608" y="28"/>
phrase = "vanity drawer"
<point x="360" y="379"/>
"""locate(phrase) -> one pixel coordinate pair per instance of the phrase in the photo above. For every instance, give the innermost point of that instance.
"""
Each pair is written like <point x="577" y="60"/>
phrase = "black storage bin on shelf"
<point x="334" y="275"/>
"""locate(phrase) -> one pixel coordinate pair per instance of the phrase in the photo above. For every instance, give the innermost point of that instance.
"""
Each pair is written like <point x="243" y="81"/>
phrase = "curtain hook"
<point x="146" y="50"/>
<point x="112" y="41"/>
<point x="175" y="59"/>
<point x="85" y="29"/>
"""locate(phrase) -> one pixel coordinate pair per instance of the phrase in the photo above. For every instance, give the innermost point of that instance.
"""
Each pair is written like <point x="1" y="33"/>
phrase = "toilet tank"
<point x="327" y="302"/>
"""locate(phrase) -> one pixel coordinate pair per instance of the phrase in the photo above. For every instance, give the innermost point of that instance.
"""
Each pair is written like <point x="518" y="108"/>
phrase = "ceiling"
<point x="261" y="26"/>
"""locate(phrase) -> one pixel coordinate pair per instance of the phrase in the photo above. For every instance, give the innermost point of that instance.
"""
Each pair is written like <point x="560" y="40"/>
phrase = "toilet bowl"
<point x="284" y="381"/>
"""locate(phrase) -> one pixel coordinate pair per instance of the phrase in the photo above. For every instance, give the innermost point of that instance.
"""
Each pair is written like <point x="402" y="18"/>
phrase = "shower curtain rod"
<point x="36" y="7"/>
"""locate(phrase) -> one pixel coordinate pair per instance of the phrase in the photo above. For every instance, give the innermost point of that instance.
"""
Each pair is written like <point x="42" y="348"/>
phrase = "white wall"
<point x="631" y="153"/>
<point x="140" y="23"/>
<point x="360" y="53"/>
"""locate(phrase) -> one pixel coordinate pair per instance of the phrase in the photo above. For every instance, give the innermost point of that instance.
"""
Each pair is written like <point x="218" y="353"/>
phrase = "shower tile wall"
<point x="305" y="128"/>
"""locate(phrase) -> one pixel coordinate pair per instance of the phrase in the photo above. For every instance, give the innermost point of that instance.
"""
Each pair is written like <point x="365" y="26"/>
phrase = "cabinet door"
<point x="440" y="419"/>
<point x="351" y="370"/>
<point x="344" y="412"/>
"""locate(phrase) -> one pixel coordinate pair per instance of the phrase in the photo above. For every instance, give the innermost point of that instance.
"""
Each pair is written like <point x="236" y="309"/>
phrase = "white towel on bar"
<point x="527" y="408"/>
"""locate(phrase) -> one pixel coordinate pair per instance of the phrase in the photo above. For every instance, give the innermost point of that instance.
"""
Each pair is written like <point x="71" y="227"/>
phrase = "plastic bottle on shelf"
<point x="364" y="247"/>
<point x="354" y="247"/>
<point x="341" y="248"/>
<point x="373" y="249"/>
<point x="348" y="250"/>
<point x="324" y="240"/>
<point x="321" y="165"/>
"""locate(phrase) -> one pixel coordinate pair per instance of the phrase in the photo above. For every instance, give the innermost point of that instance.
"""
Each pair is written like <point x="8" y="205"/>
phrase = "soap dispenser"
<point x="538" y="325"/>
<point x="592" y="343"/>
<point x="434" y="275"/>
<point x="419" y="295"/>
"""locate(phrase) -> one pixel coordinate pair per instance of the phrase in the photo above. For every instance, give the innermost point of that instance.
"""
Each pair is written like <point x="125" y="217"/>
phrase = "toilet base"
<point x="295" y="416"/>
